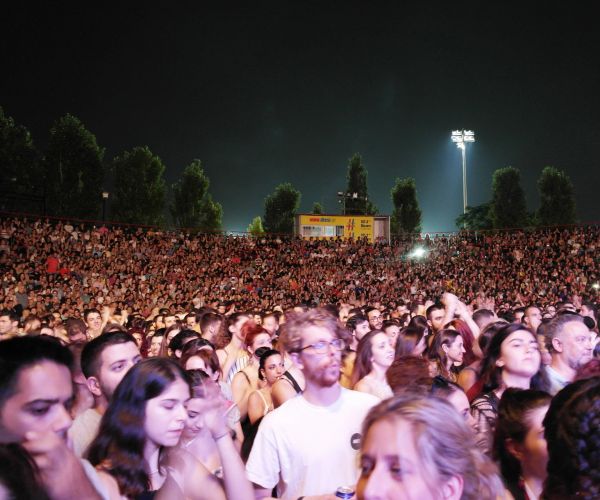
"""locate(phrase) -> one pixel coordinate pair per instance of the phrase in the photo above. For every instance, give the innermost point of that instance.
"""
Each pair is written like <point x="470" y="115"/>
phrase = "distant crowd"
<point x="143" y="364"/>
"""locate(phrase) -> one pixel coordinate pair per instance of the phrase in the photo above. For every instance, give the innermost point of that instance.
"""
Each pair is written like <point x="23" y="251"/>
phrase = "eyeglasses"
<point x="322" y="346"/>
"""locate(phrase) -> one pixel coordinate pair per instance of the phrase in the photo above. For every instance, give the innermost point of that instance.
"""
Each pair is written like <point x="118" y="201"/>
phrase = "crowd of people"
<point x="144" y="364"/>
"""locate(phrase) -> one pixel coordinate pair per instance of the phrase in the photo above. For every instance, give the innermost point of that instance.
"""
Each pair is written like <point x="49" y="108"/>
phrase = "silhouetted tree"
<point x="139" y="192"/>
<point x="19" y="159"/>
<point x="557" y="198"/>
<point x="508" y="207"/>
<point x="357" y="183"/>
<point x="73" y="170"/>
<point x="317" y="208"/>
<point x="280" y="209"/>
<point x="406" y="216"/>
<point x="476" y="218"/>
<point x="256" y="227"/>
<point x="192" y="205"/>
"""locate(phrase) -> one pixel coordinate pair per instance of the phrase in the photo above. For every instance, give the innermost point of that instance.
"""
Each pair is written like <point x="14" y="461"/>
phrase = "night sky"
<point x="288" y="91"/>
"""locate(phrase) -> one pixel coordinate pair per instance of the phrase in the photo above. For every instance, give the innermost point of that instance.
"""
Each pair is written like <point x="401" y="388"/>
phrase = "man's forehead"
<point x="45" y="380"/>
<point x="314" y="333"/>
<point x="116" y="352"/>
<point x="576" y="328"/>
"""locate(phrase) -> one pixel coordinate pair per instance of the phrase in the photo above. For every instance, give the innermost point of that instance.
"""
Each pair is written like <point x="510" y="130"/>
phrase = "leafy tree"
<point x="476" y="218"/>
<point x="557" y="198"/>
<point x="139" y="192"/>
<point x="358" y="204"/>
<point x="19" y="160"/>
<point x="192" y="205"/>
<point x="73" y="170"/>
<point x="280" y="208"/>
<point x="256" y="227"/>
<point x="406" y="216"/>
<point x="317" y="208"/>
<point x="508" y="207"/>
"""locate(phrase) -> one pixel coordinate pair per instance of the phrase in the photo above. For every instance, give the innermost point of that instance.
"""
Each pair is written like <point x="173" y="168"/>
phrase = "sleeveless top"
<point x="293" y="381"/>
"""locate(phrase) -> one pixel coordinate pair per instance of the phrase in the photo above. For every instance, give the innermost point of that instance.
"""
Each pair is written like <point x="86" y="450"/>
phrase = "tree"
<point x="359" y="203"/>
<point x="139" y="192"/>
<point x="508" y="199"/>
<point x="317" y="208"/>
<point x="280" y="209"/>
<point x="19" y="160"/>
<point x="557" y="198"/>
<point x="256" y="227"/>
<point x="476" y="218"/>
<point x="406" y="216"/>
<point x="192" y="205"/>
<point x="73" y="170"/>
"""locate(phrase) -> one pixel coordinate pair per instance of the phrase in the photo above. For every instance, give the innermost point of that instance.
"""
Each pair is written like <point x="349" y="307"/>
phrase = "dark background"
<point x="271" y="92"/>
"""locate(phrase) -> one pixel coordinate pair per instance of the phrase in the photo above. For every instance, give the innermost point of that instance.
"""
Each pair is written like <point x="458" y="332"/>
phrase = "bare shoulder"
<point x="111" y="485"/>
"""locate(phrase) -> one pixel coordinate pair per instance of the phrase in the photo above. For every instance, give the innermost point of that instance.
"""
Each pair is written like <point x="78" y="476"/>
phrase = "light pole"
<point x="461" y="137"/>
<point x="104" y="198"/>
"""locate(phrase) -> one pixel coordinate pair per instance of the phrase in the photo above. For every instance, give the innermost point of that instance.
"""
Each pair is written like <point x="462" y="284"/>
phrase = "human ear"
<point x="94" y="386"/>
<point x="557" y="344"/>
<point x="514" y="448"/>
<point x="453" y="488"/>
<point x="499" y="363"/>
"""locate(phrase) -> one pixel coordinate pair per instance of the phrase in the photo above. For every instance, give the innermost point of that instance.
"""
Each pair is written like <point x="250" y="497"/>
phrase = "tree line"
<point x="71" y="173"/>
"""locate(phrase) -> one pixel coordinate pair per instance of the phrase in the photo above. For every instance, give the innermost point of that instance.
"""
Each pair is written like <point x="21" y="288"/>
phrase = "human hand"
<point x="61" y="471"/>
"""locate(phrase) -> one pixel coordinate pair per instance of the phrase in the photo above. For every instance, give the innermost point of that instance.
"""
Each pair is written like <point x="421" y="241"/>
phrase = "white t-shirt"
<point x="310" y="450"/>
<point x="84" y="430"/>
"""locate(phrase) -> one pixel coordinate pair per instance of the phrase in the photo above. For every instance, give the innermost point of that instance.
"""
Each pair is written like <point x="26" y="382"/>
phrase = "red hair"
<point x="250" y="330"/>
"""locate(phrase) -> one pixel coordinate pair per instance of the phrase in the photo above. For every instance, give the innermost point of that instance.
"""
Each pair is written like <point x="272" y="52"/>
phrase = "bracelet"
<point x="216" y="438"/>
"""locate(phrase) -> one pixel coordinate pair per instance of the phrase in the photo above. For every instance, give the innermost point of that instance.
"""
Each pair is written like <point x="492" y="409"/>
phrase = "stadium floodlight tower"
<point x="461" y="137"/>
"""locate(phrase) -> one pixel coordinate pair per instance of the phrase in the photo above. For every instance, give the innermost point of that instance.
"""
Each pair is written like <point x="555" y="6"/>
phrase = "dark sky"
<point x="288" y="91"/>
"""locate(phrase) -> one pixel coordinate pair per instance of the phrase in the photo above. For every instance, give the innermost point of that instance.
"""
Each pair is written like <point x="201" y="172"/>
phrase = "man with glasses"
<point x="308" y="446"/>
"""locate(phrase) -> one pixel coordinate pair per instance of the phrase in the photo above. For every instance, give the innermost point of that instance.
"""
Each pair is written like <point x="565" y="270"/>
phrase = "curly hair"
<point x="292" y="330"/>
<point x="572" y="430"/>
<point x="119" y="446"/>
<point x="445" y="443"/>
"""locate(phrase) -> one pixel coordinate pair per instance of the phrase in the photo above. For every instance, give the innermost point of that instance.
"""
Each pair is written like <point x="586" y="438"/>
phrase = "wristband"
<point x="216" y="438"/>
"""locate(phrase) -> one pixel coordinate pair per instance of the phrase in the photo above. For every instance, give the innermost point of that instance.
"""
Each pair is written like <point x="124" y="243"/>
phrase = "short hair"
<point x="12" y="314"/>
<point x="353" y="321"/>
<point x="482" y="316"/>
<point x="296" y="322"/>
<point x="178" y="341"/>
<point x="18" y="353"/>
<point x="87" y="312"/>
<point x="433" y="307"/>
<point x="555" y="327"/>
<point x="208" y="319"/>
<point x="91" y="356"/>
<point x="445" y="444"/>
<point x="75" y="326"/>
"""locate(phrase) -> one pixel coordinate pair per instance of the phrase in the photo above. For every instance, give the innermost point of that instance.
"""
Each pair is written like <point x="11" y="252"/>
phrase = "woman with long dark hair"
<point x="512" y="359"/>
<point x="519" y="444"/>
<point x="374" y="355"/>
<point x="135" y="447"/>
<point x="446" y="351"/>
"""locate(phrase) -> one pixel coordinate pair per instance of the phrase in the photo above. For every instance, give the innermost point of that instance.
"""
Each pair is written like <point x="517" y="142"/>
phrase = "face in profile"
<point x="41" y="402"/>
